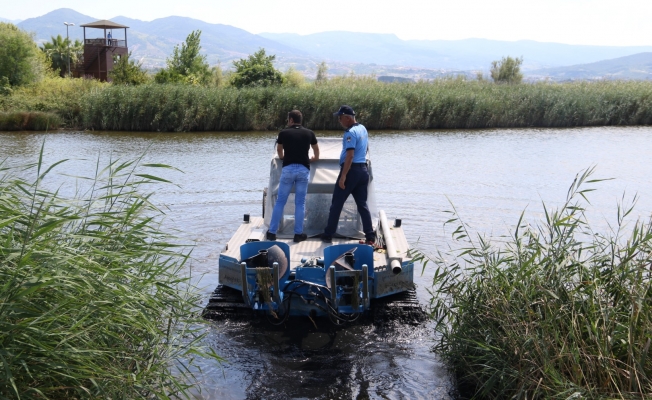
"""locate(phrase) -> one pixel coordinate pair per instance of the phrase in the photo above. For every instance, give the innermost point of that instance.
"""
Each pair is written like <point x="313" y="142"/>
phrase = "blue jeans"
<point x="291" y="175"/>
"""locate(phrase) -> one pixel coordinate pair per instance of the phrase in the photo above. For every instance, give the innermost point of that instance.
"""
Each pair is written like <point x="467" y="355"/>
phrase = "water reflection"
<point x="307" y="362"/>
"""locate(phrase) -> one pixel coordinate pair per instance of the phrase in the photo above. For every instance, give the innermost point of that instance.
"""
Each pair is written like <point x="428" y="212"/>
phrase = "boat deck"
<point x="313" y="247"/>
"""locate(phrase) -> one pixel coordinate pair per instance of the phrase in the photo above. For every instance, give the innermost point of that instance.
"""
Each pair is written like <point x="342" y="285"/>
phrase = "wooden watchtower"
<point x="100" y="49"/>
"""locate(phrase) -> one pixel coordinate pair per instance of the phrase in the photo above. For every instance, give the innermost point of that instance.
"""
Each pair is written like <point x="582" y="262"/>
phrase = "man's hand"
<point x="342" y="181"/>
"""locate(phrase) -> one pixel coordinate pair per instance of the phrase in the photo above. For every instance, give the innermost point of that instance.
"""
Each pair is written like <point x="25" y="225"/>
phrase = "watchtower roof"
<point x="104" y="24"/>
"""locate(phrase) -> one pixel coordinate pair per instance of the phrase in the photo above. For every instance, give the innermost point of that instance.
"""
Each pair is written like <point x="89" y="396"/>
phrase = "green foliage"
<point x="59" y="51"/>
<point x="20" y="61"/>
<point x="5" y="86"/>
<point x="127" y="71"/>
<point x="293" y="78"/>
<point x="53" y="94"/>
<point x="322" y="73"/>
<point x="507" y="70"/>
<point x="256" y="70"/>
<point x="442" y="104"/>
<point x="217" y="77"/>
<point x="186" y="64"/>
<point x="29" y="121"/>
<point x="93" y="298"/>
<point x="558" y="311"/>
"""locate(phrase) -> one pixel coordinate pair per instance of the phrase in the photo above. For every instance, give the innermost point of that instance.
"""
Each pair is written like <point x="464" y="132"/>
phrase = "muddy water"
<point x="490" y="176"/>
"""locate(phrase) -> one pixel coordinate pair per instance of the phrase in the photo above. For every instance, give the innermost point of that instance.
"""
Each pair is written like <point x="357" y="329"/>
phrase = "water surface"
<point x="490" y="176"/>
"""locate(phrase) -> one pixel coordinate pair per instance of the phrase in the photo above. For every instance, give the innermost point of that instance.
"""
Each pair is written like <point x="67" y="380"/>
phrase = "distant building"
<point x="101" y="51"/>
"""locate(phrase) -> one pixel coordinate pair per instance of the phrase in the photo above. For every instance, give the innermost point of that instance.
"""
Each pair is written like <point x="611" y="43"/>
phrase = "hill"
<point x="467" y="54"/>
<point x="350" y="52"/>
<point x="153" y="41"/>
<point x="13" y="21"/>
<point x="637" y="66"/>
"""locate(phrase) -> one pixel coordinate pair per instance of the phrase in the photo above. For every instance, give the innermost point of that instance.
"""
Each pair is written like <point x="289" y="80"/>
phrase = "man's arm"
<point x="315" y="150"/>
<point x="279" y="150"/>
<point x="348" y="160"/>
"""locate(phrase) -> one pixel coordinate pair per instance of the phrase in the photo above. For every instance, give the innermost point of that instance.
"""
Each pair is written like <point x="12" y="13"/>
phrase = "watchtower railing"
<point x="106" y="42"/>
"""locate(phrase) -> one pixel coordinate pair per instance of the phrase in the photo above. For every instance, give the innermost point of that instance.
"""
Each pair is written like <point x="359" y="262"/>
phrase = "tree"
<point x="127" y="72"/>
<point x="256" y="70"/>
<point x="217" y="77"/>
<point x="186" y="64"/>
<point x="57" y="52"/>
<point x="507" y="70"/>
<point x="293" y="78"/>
<point x="21" y="62"/>
<point x="322" y="73"/>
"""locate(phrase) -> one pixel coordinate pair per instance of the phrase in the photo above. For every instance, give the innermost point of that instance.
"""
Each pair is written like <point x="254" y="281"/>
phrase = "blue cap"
<point x="344" y="110"/>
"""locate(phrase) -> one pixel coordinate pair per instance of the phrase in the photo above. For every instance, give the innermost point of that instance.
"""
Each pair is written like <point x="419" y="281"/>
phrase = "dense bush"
<point x="21" y="61"/>
<point x="94" y="297"/>
<point x="62" y="96"/>
<point x="29" y="121"/>
<point x="186" y="64"/>
<point x="127" y="71"/>
<point x="507" y="70"/>
<point x="256" y="70"/>
<point x="557" y="312"/>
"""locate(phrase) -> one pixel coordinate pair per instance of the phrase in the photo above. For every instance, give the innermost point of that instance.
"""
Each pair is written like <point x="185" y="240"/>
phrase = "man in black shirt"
<point x="293" y="145"/>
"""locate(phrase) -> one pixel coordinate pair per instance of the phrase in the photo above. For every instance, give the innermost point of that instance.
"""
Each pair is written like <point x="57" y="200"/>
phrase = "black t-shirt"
<point x="296" y="141"/>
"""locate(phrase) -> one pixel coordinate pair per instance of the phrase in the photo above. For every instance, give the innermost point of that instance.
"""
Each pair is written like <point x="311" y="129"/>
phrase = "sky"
<point x="591" y="22"/>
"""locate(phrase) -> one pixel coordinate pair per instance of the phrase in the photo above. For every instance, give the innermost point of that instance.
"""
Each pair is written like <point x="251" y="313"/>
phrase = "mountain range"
<point x="361" y="53"/>
<point x="13" y="21"/>
<point x="637" y="66"/>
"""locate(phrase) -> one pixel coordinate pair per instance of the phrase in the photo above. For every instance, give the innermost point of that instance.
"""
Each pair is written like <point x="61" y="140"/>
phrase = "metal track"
<point x="227" y="303"/>
<point x="401" y="307"/>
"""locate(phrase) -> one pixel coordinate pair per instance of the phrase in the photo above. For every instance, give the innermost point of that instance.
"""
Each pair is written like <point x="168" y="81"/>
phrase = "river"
<point x="489" y="176"/>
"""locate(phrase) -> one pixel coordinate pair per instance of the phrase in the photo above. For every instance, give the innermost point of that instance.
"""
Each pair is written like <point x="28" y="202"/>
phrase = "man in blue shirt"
<point x="353" y="178"/>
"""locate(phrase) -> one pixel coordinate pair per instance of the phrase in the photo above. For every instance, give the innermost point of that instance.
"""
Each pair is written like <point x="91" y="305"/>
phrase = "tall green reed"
<point x="29" y="121"/>
<point x="558" y="311"/>
<point x="441" y="104"/>
<point x="95" y="299"/>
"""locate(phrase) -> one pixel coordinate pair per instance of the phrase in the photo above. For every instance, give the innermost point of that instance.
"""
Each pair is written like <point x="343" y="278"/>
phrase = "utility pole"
<point x="67" y="24"/>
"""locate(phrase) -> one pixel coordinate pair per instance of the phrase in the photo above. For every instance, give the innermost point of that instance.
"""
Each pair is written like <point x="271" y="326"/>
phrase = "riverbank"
<point x="440" y="104"/>
<point x="557" y="311"/>
<point x="93" y="299"/>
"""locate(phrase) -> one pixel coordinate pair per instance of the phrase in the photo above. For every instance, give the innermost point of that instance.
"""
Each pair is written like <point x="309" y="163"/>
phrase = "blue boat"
<point x="342" y="280"/>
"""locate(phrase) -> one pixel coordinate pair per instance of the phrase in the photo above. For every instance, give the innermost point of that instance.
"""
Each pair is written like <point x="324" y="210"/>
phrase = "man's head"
<point x="346" y="116"/>
<point x="294" y="117"/>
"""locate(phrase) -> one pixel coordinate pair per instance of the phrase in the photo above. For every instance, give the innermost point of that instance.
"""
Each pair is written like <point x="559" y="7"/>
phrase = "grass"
<point x="29" y="121"/>
<point x="95" y="301"/>
<point x="439" y="104"/>
<point x="53" y="95"/>
<point x="557" y="312"/>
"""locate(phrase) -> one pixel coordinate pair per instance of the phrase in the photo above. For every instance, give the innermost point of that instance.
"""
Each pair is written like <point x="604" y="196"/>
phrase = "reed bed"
<point x="441" y="104"/>
<point x="29" y="121"/>
<point x="94" y="296"/>
<point x="63" y="97"/>
<point x="557" y="312"/>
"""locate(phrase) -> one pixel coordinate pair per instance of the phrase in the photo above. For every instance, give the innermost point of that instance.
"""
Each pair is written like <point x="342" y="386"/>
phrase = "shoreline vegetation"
<point x="453" y="103"/>
<point x="190" y="95"/>
<point x="95" y="298"/>
<point x="556" y="311"/>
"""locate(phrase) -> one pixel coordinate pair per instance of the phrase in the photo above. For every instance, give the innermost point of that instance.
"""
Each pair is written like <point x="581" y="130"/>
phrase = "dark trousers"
<point x="357" y="181"/>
